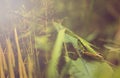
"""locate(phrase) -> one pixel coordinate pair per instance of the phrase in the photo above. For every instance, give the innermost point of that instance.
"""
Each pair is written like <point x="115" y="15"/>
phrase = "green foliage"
<point x="117" y="72"/>
<point x="80" y="68"/>
<point x="52" y="69"/>
<point x="33" y="18"/>
<point x="84" y="69"/>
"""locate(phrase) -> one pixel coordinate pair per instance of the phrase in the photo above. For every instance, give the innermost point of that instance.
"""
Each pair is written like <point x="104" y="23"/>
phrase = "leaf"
<point x="52" y="68"/>
<point x="70" y="39"/>
<point x="117" y="72"/>
<point x="84" y="69"/>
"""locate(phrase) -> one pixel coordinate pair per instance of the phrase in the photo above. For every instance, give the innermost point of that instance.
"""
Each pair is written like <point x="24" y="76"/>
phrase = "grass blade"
<point x="52" y="69"/>
<point x="2" y="59"/>
<point x="22" y="71"/>
<point x="11" y="59"/>
<point x="3" y="65"/>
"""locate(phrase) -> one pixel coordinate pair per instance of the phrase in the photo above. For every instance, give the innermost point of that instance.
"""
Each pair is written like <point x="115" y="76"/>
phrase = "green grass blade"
<point x="52" y="68"/>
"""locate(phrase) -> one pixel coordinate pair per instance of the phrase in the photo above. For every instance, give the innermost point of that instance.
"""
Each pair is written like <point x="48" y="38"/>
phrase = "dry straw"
<point x="22" y="70"/>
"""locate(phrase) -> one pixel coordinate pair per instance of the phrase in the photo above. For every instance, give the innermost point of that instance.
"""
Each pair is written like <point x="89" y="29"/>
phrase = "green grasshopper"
<point x="88" y="55"/>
